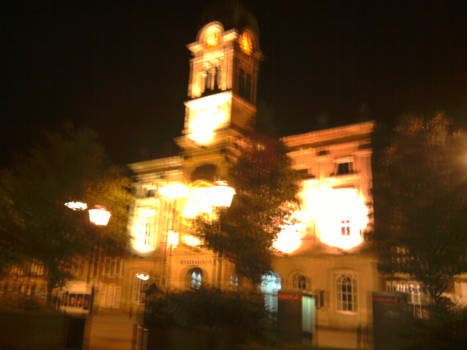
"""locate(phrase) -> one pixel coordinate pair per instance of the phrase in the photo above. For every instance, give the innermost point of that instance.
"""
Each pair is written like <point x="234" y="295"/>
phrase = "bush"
<point x="445" y="332"/>
<point x="23" y="303"/>
<point x="209" y="311"/>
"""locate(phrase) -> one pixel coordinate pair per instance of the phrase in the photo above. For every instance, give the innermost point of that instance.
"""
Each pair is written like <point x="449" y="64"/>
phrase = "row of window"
<point x="342" y="166"/>
<point x="416" y="296"/>
<point x="346" y="291"/>
<point x="26" y="288"/>
<point x="346" y="287"/>
<point x="32" y="269"/>
<point x="113" y="267"/>
<point x="211" y="78"/>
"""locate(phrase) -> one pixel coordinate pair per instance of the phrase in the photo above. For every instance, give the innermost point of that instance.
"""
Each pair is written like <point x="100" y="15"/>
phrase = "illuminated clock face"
<point x="211" y="38"/>
<point x="246" y="43"/>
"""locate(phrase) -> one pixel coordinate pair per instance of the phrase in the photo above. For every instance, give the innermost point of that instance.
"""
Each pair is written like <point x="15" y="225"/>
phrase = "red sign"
<point x="290" y="296"/>
<point x="387" y="300"/>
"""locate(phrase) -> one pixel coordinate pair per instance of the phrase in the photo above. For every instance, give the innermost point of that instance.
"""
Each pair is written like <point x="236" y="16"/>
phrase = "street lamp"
<point x="99" y="216"/>
<point x="221" y="195"/>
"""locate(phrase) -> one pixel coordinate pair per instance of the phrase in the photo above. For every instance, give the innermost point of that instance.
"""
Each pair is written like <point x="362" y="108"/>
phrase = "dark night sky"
<point x="121" y="67"/>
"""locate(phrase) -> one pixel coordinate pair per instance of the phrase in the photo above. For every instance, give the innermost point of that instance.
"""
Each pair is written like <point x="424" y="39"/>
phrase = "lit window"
<point x="146" y="224"/>
<point x="345" y="227"/>
<point x="37" y="269"/>
<point x="346" y="293"/>
<point x="233" y="282"/>
<point x="138" y="290"/>
<point x="195" y="278"/>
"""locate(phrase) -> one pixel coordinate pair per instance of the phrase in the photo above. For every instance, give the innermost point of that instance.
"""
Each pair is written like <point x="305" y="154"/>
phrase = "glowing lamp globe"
<point x="221" y="195"/>
<point x="99" y="216"/>
<point x="192" y="241"/>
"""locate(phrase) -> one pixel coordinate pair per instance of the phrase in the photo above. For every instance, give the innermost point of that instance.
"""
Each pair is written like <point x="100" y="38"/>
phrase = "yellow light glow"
<point x="199" y="202"/>
<point x="212" y="36"/>
<point x="196" y="91"/>
<point x="173" y="239"/>
<point x="76" y="205"/>
<point x="192" y="241"/>
<point x="141" y="230"/>
<point x="142" y="276"/>
<point x="338" y="215"/>
<point x="221" y="195"/>
<point x="202" y="137"/>
<point x="141" y="247"/>
<point x="174" y="190"/>
<point x="203" y="199"/>
<point x="341" y="216"/>
<point x="207" y="115"/>
<point x="191" y="209"/>
<point x="99" y="216"/>
<point x="288" y="240"/>
<point x="246" y="43"/>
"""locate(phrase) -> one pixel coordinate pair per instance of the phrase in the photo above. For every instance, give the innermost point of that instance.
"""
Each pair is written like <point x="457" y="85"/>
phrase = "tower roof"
<point x="232" y="14"/>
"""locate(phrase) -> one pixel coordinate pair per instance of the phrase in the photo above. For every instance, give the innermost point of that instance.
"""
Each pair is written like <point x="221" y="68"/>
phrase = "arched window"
<point x="206" y="172"/>
<point x="346" y="293"/>
<point x="270" y="285"/>
<point x="194" y="278"/>
<point x="300" y="282"/>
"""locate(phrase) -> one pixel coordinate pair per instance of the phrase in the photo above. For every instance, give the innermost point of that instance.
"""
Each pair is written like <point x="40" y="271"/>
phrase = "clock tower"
<point x="222" y="93"/>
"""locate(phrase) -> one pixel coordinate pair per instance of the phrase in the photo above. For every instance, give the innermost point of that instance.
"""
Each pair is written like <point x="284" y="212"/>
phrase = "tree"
<point x="420" y="201"/>
<point x="35" y="222"/>
<point x="266" y="194"/>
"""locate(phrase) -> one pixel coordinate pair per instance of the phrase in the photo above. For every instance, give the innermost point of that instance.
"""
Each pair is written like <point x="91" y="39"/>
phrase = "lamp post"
<point x="221" y="197"/>
<point x="171" y="192"/>
<point x="98" y="216"/>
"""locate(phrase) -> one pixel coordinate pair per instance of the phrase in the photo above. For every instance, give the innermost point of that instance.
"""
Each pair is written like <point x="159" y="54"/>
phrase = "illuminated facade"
<point x="323" y="268"/>
<point x="326" y="259"/>
<point x="322" y="261"/>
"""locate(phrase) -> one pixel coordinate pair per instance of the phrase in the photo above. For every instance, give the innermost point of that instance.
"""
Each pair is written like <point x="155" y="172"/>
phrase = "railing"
<point x="139" y="339"/>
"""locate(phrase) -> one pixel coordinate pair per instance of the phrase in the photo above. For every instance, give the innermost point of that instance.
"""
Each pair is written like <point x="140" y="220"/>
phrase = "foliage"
<point x="420" y="201"/>
<point x="35" y="222"/>
<point x="23" y="303"/>
<point x="266" y="194"/>
<point x="446" y="332"/>
<point x="208" y="310"/>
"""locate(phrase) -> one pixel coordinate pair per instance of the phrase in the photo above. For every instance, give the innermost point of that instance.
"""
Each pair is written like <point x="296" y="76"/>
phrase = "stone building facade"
<point x="323" y="268"/>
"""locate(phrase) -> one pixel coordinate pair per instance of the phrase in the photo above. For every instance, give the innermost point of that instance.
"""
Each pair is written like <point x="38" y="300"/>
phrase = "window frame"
<point x="346" y="300"/>
<point x="344" y="160"/>
<point x="194" y="282"/>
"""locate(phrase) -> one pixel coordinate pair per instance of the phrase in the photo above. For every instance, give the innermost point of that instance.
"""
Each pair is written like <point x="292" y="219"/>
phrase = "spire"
<point x="232" y="14"/>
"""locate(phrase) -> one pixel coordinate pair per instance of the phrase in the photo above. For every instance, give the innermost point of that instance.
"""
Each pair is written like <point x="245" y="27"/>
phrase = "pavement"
<point x="115" y="331"/>
<point x="111" y="330"/>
